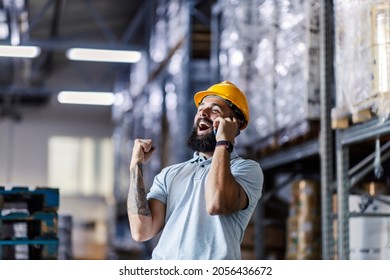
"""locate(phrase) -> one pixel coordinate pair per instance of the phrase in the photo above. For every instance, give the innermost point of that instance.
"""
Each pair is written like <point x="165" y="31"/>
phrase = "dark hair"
<point x="238" y="114"/>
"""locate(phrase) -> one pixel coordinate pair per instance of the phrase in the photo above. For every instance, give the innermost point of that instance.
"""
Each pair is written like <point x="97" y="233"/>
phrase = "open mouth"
<point x="204" y="124"/>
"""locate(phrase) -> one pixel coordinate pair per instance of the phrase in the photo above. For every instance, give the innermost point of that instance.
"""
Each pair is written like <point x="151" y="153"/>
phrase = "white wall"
<point x="24" y="144"/>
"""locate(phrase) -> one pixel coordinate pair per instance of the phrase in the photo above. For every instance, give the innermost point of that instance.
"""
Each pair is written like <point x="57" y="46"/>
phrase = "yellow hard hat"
<point x="230" y="93"/>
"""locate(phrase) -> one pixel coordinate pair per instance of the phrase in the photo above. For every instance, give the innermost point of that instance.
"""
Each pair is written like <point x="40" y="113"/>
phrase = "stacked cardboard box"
<point x="304" y="221"/>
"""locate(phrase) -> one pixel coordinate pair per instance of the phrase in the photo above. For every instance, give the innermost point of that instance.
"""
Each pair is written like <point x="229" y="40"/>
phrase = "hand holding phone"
<point x="227" y="124"/>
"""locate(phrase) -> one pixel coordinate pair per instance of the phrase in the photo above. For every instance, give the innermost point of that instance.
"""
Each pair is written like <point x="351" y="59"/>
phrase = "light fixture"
<point x="86" y="97"/>
<point x="101" y="55"/>
<point x="19" y="51"/>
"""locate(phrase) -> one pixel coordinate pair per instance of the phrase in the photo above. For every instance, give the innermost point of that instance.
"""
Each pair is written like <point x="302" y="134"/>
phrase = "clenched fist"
<point x="142" y="151"/>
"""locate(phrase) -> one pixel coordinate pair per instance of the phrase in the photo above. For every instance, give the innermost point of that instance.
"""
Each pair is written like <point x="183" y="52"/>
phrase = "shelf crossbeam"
<point x="302" y="151"/>
<point x="364" y="131"/>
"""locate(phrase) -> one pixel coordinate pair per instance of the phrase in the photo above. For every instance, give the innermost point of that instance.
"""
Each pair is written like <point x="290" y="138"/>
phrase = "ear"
<point x="241" y="123"/>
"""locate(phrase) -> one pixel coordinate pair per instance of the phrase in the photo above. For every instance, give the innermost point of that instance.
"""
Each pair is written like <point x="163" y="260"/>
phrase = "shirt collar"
<point x="203" y="160"/>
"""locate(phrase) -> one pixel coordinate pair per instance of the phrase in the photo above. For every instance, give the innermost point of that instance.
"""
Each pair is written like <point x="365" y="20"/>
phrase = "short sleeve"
<point x="158" y="190"/>
<point x="249" y="175"/>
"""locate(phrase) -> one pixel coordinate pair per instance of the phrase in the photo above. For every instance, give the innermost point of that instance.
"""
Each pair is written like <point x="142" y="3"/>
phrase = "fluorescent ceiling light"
<point x="103" y="55"/>
<point x="19" y="51"/>
<point x="86" y="97"/>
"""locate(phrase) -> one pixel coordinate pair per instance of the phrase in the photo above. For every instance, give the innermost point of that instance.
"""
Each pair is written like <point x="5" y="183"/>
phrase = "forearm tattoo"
<point x="136" y="200"/>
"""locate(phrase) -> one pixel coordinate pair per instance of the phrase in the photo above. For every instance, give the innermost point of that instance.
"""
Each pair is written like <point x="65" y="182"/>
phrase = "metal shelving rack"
<point x="344" y="140"/>
<point x="323" y="146"/>
<point x="272" y="165"/>
<point x="192" y="47"/>
<point x="29" y="223"/>
<point x="321" y="149"/>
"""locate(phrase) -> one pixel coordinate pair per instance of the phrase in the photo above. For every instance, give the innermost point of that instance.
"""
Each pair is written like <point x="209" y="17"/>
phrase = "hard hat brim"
<point x="198" y="97"/>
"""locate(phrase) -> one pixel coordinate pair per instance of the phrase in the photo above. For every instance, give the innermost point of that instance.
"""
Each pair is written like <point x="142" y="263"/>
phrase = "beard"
<point x="201" y="143"/>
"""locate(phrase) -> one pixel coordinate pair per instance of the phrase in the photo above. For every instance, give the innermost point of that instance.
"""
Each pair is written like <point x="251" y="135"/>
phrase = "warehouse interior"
<point x="317" y="77"/>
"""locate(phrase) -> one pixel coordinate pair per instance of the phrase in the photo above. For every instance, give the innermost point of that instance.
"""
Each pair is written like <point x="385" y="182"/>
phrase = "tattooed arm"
<point x="146" y="218"/>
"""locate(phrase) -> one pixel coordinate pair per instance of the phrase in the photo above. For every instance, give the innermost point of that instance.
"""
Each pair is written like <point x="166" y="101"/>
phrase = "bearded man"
<point x="202" y="206"/>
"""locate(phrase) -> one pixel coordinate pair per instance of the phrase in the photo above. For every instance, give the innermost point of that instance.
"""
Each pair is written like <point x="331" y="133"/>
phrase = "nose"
<point x="204" y="112"/>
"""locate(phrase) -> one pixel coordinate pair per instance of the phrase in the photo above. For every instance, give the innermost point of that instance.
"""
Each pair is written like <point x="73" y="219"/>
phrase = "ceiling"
<point x="55" y="25"/>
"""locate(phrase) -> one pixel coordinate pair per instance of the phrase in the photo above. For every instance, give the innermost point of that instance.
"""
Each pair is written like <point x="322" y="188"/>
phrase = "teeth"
<point x="203" y="123"/>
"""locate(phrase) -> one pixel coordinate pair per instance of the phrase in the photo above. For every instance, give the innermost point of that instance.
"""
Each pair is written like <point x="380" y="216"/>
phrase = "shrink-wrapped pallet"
<point x="246" y="58"/>
<point x="368" y="222"/>
<point x="380" y="23"/>
<point x="297" y="75"/>
<point x="362" y="59"/>
<point x="270" y="49"/>
<point x="369" y="236"/>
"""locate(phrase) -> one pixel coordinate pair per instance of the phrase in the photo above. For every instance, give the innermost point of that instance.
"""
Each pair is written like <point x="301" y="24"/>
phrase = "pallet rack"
<point x="193" y="45"/>
<point x="318" y="150"/>
<point x="28" y="223"/>
<point x="347" y="177"/>
<point x="321" y="150"/>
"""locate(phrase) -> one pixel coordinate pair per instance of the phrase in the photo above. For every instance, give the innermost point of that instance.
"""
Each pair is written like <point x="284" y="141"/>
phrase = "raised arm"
<point x="146" y="219"/>
<point x="223" y="194"/>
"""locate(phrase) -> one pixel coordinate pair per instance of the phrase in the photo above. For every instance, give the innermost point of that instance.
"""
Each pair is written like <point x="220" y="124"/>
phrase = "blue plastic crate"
<point x="40" y="199"/>
<point x="29" y="223"/>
